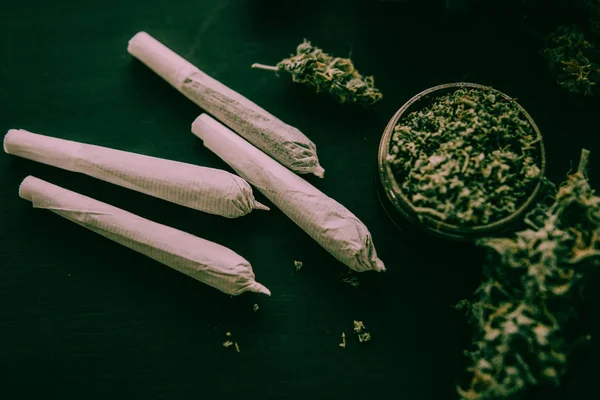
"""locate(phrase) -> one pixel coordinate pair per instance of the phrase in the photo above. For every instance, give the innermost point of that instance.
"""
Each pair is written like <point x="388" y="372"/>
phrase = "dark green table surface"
<point x="83" y="318"/>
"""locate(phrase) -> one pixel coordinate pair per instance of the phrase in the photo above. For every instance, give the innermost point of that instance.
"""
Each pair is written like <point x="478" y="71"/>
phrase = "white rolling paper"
<point x="208" y="262"/>
<point x="283" y="142"/>
<point x="328" y="222"/>
<point x="206" y="189"/>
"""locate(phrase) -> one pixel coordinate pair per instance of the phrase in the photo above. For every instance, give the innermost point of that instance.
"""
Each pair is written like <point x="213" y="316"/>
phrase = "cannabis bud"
<point x="468" y="158"/>
<point x="336" y="76"/>
<point x="568" y="56"/>
<point x="521" y="311"/>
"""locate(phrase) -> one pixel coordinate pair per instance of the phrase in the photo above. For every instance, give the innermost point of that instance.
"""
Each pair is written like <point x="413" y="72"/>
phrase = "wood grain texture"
<point x="81" y="317"/>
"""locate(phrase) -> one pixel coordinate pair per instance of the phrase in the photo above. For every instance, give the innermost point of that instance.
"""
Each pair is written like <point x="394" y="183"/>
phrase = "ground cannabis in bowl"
<point x="533" y="279"/>
<point x="467" y="158"/>
<point x="325" y="73"/>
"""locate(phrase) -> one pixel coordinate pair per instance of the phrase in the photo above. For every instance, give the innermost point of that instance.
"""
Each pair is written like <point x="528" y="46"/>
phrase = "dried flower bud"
<point x="568" y="56"/>
<point x="521" y="311"/>
<point x="334" y="75"/>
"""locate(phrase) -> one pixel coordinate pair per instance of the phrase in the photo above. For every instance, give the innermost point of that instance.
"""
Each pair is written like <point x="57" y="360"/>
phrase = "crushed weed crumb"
<point x="358" y="326"/>
<point x="343" y="344"/>
<point x="360" y="330"/>
<point x="227" y="344"/>
<point x="364" y="337"/>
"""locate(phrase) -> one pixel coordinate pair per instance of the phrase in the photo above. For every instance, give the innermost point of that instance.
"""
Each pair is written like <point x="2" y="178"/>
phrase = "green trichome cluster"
<point x="521" y="310"/>
<point x="468" y="158"/>
<point x="325" y="73"/>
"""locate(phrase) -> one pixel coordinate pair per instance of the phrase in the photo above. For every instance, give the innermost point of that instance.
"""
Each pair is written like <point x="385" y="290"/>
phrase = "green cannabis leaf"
<point x="532" y="279"/>
<point x="568" y="59"/>
<point x="334" y="75"/>
<point x="468" y="158"/>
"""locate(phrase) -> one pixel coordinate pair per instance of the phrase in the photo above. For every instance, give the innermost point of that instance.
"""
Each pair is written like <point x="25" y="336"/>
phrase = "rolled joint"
<point x="378" y="265"/>
<point x="25" y="188"/>
<point x="259" y="288"/>
<point x="260" y="206"/>
<point x="7" y="139"/>
<point x="165" y="62"/>
<point x="319" y="171"/>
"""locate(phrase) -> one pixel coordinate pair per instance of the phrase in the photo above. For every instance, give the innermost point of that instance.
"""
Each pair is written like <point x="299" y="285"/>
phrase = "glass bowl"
<point x="402" y="211"/>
